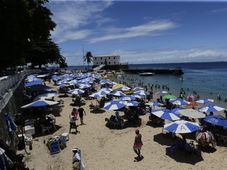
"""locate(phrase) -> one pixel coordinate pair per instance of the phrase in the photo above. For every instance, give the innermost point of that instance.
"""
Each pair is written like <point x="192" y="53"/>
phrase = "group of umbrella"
<point x="125" y="96"/>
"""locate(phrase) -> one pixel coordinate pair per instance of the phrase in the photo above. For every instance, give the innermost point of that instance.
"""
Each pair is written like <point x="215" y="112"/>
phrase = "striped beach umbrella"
<point x="165" y="114"/>
<point x="40" y="103"/>
<point x="204" y="101"/>
<point x="180" y="102"/>
<point x="118" y="93"/>
<point x="114" y="105"/>
<point x="106" y="90"/>
<point x="138" y="88"/>
<point x="211" y="108"/>
<point x="217" y="120"/>
<point x="154" y="104"/>
<point x="141" y="93"/>
<point x="97" y="95"/>
<point x="84" y="86"/>
<point x="127" y="98"/>
<point x="130" y="103"/>
<point x="181" y="127"/>
<point x="105" y="82"/>
<point x="76" y="91"/>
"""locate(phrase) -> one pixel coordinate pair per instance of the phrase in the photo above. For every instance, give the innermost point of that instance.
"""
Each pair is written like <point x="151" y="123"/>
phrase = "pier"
<point x="174" y="71"/>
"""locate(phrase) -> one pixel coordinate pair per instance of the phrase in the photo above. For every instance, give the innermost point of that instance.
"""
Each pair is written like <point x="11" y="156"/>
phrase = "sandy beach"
<point x="106" y="149"/>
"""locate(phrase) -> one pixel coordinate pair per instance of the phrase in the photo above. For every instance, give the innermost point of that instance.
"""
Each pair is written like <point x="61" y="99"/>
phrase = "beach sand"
<point x="105" y="149"/>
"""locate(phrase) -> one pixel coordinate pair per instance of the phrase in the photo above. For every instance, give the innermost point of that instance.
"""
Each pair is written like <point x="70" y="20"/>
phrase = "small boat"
<point x="146" y="74"/>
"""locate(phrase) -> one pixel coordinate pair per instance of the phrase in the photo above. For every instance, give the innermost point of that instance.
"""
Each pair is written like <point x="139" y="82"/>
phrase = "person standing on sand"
<point x="81" y="114"/>
<point x="72" y="122"/>
<point x="138" y="144"/>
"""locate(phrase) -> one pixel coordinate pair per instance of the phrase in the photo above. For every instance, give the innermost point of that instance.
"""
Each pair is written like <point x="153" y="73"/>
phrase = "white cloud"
<point x="72" y="16"/>
<point x="150" y="28"/>
<point x="172" y="55"/>
<point x="219" y="10"/>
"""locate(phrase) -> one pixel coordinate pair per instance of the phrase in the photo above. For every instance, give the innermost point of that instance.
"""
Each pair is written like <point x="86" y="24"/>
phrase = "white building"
<point x="106" y="60"/>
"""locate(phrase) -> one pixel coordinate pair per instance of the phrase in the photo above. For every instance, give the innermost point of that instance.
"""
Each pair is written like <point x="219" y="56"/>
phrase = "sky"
<point x="141" y="31"/>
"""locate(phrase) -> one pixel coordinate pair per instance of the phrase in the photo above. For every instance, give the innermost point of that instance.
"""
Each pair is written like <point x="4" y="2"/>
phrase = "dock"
<point x="174" y="71"/>
<point x="156" y="70"/>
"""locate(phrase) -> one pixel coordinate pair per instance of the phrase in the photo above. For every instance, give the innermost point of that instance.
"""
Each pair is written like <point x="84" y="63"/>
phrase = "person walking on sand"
<point x="72" y="122"/>
<point x="138" y="144"/>
<point x="81" y="114"/>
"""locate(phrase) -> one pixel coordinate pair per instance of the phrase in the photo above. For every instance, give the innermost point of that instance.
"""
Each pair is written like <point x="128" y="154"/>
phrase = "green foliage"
<point x="25" y="34"/>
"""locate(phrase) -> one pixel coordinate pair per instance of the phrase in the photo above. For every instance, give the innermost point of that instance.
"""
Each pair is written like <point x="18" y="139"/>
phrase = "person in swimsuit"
<point x="138" y="143"/>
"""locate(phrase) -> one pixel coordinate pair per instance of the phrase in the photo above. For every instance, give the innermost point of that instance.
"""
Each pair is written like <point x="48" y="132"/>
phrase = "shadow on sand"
<point x="99" y="111"/>
<point x="163" y="139"/>
<point x="154" y="125"/>
<point x="51" y="131"/>
<point x="185" y="157"/>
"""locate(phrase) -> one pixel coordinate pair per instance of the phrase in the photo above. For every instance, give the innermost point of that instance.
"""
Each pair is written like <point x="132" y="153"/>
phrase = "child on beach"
<point x="138" y="144"/>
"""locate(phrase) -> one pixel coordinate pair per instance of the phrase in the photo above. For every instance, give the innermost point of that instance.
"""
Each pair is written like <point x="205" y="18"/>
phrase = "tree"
<point x="25" y="34"/>
<point x="88" y="58"/>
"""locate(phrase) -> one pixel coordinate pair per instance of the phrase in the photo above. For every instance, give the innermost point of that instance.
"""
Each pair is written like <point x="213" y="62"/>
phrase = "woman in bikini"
<point x="138" y="143"/>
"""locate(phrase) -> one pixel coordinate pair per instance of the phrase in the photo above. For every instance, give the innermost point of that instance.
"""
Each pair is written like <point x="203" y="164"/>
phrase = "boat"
<point x="146" y="74"/>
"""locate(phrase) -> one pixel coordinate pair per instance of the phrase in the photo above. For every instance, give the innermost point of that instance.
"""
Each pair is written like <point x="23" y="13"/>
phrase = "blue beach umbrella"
<point x="33" y="82"/>
<point x="155" y="104"/>
<point x="211" y="108"/>
<point x="97" y="95"/>
<point x="40" y="103"/>
<point x="181" y="127"/>
<point x="180" y="102"/>
<point x="118" y="93"/>
<point x="141" y="93"/>
<point x="105" y="90"/>
<point x="128" y="98"/>
<point x="130" y="103"/>
<point x="204" y="101"/>
<point x="76" y="91"/>
<point x="84" y="86"/>
<point x="138" y="88"/>
<point x="217" y="120"/>
<point x="165" y="114"/>
<point x="114" y="105"/>
<point x="105" y="82"/>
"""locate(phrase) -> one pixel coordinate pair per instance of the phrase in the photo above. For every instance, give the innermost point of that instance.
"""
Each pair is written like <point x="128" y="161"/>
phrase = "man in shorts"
<point x="81" y="114"/>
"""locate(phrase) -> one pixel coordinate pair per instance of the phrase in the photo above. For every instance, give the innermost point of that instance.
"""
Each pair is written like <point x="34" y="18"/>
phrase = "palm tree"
<point x="88" y="58"/>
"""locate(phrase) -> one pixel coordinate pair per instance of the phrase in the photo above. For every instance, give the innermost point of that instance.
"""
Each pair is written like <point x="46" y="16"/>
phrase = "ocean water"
<point x="207" y="79"/>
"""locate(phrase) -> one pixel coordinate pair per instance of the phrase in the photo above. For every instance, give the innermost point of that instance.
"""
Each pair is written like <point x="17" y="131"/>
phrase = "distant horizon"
<point x="85" y="65"/>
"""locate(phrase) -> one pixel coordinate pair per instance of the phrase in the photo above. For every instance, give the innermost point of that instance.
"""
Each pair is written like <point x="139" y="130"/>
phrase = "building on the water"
<point x="106" y="60"/>
<point x="109" y="62"/>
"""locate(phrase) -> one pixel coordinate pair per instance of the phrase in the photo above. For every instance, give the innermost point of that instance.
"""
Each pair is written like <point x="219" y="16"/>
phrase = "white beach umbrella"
<point x="97" y="95"/>
<point x="191" y="113"/>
